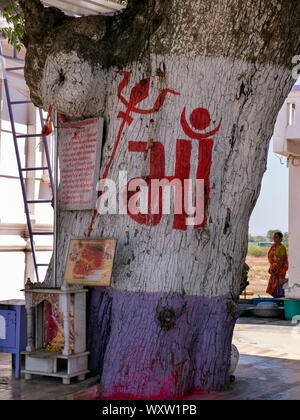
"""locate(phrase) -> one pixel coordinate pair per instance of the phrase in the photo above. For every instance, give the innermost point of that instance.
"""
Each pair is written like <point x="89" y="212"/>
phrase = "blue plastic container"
<point x="256" y="301"/>
<point x="291" y="308"/>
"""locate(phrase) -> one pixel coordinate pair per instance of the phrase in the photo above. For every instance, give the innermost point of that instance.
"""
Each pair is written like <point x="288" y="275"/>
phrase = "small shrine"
<point x="56" y="308"/>
<point x="56" y="331"/>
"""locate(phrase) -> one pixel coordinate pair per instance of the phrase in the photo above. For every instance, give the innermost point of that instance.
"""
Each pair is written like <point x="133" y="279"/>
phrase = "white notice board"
<point x="79" y="147"/>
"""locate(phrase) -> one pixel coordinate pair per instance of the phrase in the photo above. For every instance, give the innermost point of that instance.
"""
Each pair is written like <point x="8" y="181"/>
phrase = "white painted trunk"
<point x="165" y="325"/>
<point x="205" y="261"/>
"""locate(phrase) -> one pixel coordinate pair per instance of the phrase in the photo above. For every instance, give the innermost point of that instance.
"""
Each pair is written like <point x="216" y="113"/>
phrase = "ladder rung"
<point x="10" y="57"/>
<point x="14" y="68"/>
<point x="43" y="233"/>
<point x="20" y="102"/>
<point x="41" y="168"/>
<point x="42" y="265"/>
<point x="23" y="136"/>
<point x="38" y="201"/>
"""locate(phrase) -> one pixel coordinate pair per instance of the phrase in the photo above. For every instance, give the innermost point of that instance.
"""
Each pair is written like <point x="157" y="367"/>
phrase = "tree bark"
<point x="165" y="325"/>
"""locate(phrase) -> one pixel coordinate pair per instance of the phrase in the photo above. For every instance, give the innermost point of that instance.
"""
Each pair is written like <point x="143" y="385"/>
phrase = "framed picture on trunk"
<point x="90" y="261"/>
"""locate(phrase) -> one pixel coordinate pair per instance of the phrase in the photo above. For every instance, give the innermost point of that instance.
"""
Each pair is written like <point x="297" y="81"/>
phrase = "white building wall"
<point x="294" y="225"/>
<point x="286" y="139"/>
<point x="287" y="143"/>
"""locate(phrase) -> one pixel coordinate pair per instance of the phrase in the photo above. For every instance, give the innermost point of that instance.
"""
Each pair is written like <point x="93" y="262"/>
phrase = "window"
<point x="291" y="114"/>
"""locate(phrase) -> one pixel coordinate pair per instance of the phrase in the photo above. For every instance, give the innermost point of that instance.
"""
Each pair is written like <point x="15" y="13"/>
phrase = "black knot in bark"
<point x="166" y="318"/>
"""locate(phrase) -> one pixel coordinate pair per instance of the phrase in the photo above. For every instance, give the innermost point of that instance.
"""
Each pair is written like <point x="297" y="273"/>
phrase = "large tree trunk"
<point x="165" y="325"/>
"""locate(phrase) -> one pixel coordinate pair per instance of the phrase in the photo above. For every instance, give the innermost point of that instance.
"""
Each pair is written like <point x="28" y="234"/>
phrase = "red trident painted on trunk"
<point x="138" y="94"/>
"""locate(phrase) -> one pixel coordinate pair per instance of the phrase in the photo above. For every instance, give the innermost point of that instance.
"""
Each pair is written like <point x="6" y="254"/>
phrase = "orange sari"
<point x="274" y="263"/>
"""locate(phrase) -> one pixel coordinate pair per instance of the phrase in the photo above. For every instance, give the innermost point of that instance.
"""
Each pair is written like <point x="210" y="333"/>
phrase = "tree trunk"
<point x="210" y="79"/>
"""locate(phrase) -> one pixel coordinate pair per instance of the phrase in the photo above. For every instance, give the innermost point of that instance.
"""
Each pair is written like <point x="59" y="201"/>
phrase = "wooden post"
<point x="30" y="346"/>
<point x="65" y="305"/>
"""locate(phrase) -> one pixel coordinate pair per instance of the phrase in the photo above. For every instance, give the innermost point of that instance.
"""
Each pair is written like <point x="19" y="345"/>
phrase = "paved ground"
<point x="264" y="337"/>
<point x="269" y="368"/>
<point x="39" y="388"/>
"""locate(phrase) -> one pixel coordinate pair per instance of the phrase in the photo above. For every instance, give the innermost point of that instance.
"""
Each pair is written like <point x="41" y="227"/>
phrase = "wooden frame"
<point x="90" y="261"/>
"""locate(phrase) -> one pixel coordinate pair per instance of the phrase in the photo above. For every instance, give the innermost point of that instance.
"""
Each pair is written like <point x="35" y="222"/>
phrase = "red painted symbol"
<point x="138" y="94"/>
<point x="157" y="172"/>
<point x="200" y="120"/>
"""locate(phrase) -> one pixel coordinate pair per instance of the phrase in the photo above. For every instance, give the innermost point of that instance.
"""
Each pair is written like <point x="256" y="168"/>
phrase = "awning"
<point x="85" y="7"/>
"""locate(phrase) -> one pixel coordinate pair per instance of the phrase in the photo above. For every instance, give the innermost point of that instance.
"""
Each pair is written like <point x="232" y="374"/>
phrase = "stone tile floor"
<point x="39" y="388"/>
<point x="269" y="368"/>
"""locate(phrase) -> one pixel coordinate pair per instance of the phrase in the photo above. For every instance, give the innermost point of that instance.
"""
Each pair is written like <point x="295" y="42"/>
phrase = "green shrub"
<point x="256" y="251"/>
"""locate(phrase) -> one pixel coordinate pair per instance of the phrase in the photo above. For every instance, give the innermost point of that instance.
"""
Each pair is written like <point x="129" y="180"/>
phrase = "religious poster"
<point x="90" y="261"/>
<point x="80" y="145"/>
<point x="54" y="327"/>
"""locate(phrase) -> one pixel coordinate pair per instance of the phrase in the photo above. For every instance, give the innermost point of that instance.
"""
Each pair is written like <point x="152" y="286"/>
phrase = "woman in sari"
<point x="278" y="260"/>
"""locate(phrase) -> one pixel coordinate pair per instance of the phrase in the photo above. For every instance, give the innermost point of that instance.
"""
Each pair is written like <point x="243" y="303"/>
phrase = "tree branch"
<point x="260" y="31"/>
<point x="40" y="20"/>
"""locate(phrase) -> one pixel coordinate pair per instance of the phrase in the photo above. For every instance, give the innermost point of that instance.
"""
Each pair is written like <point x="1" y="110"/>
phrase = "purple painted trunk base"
<point x="158" y="345"/>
